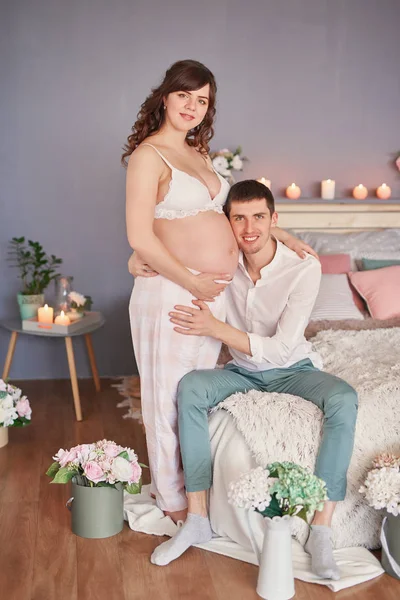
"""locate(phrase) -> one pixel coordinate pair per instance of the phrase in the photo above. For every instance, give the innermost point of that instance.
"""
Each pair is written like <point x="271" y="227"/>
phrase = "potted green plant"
<point x="36" y="270"/>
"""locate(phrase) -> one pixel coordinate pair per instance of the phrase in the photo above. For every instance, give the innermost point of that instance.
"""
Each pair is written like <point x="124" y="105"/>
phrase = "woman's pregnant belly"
<point x="204" y="242"/>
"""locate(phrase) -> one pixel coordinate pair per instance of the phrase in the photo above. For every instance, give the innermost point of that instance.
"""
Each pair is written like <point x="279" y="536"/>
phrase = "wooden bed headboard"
<point x="338" y="215"/>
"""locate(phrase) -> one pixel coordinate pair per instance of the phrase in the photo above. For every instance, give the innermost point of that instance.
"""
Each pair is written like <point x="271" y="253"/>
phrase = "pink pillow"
<point x="335" y="264"/>
<point x="380" y="289"/>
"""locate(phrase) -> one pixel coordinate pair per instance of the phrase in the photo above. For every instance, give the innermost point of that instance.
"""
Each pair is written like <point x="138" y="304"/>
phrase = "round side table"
<point x="15" y="327"/>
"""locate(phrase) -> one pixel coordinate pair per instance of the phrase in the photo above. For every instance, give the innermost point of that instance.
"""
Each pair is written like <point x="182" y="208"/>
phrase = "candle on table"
<point x="383" y="192"/>
<point x="62" y="319"/>
<point x="264" y="181"/>
<point x="45" y="314"/>
<point x="293" y="191"/>
<point x="360" y="192"/>
<point x="328" y="189"/>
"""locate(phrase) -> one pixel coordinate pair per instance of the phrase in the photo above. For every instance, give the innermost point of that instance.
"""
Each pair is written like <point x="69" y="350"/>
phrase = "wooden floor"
<point x="40" y="559"/>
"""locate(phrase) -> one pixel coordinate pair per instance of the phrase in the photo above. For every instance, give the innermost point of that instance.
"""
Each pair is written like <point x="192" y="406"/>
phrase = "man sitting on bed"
<point x="268" y="307"/>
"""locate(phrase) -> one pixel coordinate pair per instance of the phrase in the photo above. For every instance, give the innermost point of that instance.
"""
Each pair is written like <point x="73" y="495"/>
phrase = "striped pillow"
<point x="335" y="300"/>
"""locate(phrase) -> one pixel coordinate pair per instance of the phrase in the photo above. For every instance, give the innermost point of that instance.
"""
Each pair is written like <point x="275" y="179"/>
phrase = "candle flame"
<point x="46" y="306"/>
<point x="62" y="313"/>
<point x="293" y="185"/>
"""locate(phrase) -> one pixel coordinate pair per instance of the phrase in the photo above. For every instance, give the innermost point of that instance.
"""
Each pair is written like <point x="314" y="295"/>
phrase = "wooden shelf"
<point x="339" y="214"/>
<point x="352" y="201"/>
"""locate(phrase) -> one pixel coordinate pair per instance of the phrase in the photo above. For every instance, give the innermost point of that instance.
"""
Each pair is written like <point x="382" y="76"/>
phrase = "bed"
<point x="365" y="351"/>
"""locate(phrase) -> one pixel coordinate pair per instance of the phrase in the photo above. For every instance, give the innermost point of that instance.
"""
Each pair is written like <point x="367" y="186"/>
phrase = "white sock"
<point x="195" y="530"/>
<point x="319" y="545"/>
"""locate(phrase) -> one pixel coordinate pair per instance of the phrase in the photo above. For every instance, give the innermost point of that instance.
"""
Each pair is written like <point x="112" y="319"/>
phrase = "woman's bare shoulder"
<point x="145" y="156"/>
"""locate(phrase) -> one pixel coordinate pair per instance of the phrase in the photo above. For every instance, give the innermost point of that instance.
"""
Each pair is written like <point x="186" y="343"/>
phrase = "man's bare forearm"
<point x="232" y="337"/>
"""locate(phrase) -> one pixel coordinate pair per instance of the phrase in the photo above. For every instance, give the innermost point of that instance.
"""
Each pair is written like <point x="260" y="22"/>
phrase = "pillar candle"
<point x="383" y="192"/>
<point x="45" y="314"/>
<point x="266" y="182"/>
<point x="360" y="192"/>
<point x="62" y="319"/>
<point x="328" y="189"/>
<point x="293" y="191"/>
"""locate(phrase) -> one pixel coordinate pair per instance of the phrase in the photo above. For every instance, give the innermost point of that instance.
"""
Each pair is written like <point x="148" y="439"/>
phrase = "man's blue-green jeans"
<point x="201" y="390"/>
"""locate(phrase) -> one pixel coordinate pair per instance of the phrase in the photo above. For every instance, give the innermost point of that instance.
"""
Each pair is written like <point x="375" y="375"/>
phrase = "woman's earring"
<point x="164" y="107"/>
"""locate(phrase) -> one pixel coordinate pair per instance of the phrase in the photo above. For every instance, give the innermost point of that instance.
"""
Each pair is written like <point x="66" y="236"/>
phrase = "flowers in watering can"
<point x="280" y="489"/>
<point x="382" y="485"/>
<point x="100" y="464"/>
<point x="15" y="410"/>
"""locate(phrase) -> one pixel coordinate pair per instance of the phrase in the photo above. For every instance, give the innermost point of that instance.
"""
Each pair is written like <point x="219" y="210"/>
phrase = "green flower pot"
<point x="390" y="538"/>
<point x="97" y="512"/>
<point x="29" y="304"/>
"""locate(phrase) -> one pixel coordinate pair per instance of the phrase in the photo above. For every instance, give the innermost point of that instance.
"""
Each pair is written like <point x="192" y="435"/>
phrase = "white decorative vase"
<point x="3" y="436"/>
<point x="275" y="577"/>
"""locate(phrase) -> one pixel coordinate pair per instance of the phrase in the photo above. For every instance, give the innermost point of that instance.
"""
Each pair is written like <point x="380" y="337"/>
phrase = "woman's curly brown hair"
<point x="182" y="76"/>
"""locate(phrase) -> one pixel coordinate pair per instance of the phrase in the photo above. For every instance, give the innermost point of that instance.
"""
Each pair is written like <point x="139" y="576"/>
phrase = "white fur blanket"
<point x="279" y="427"/>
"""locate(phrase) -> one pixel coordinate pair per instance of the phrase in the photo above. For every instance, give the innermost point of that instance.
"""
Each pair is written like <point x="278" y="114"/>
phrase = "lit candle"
<point x="264" y="181"/>
<point x="45" y="314"/>
<point x="360" y="192"/>
<point x="383" y="192"/>
<point x="62" y="319"/>
<point x="293" y="191"/>
<point x="328" y="189"/>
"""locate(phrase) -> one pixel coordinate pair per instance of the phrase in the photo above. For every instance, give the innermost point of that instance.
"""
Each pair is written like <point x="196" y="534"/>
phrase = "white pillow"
<point x="384" y="243"/>
<point x="335" y="300"/>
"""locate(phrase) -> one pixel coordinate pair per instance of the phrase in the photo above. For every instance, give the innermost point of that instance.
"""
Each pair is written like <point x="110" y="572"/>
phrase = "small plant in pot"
<point x="36" y="271"/>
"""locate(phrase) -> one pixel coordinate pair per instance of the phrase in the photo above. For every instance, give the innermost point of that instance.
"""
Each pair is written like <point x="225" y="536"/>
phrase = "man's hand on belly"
<point x="201" y="321"/>
<point x="194" y="321"/>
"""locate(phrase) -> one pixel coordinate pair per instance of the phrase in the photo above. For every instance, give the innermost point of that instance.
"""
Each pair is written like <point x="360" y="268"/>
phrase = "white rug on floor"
<point x="357" y="565"/>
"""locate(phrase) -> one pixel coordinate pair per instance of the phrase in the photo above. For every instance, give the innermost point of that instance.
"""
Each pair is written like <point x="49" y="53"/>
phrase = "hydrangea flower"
<point x="382" y="485"/>
<point x="279" y="489"/>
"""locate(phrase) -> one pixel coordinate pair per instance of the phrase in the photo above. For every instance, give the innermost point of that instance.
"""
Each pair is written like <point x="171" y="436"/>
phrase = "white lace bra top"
<point x="187" y="195"/>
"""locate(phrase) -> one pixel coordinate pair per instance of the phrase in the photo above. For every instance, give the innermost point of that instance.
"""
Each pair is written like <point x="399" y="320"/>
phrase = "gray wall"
<point x="309" y="88"/>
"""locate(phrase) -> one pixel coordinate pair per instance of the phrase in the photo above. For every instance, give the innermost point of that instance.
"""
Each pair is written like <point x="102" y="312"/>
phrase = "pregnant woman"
<point x="175" y="222"/>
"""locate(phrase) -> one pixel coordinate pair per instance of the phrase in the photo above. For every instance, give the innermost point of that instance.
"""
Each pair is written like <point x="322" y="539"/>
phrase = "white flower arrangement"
<point x="80" y="302"/>
<point x="279" y="489"/>
<point x="15" y="410"/>
<point x="101" y="464"/>
<point x="382" y="485"/>
<point x="224" y="161"/>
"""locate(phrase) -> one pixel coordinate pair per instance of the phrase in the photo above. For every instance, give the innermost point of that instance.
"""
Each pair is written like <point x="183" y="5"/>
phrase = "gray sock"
<point x="319" y="545"/>
<point x="195" y="530"/>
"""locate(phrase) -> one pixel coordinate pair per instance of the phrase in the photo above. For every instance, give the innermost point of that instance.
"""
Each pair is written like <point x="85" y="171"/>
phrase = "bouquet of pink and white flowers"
<point x="15" y="410"/>
<point x="382" y="485"/>
<point x="101" y="464"/>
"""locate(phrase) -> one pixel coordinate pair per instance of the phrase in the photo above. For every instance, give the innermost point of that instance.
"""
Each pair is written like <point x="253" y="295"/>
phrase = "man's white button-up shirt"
<point x="275" y="311"/>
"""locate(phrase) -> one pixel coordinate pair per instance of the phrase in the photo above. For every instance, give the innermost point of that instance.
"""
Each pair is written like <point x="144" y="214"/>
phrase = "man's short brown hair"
<point x="246" y="191"/>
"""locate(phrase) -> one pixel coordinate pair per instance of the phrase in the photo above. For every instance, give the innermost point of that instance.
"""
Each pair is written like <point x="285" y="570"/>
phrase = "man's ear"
<point x="274" y="219"/>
